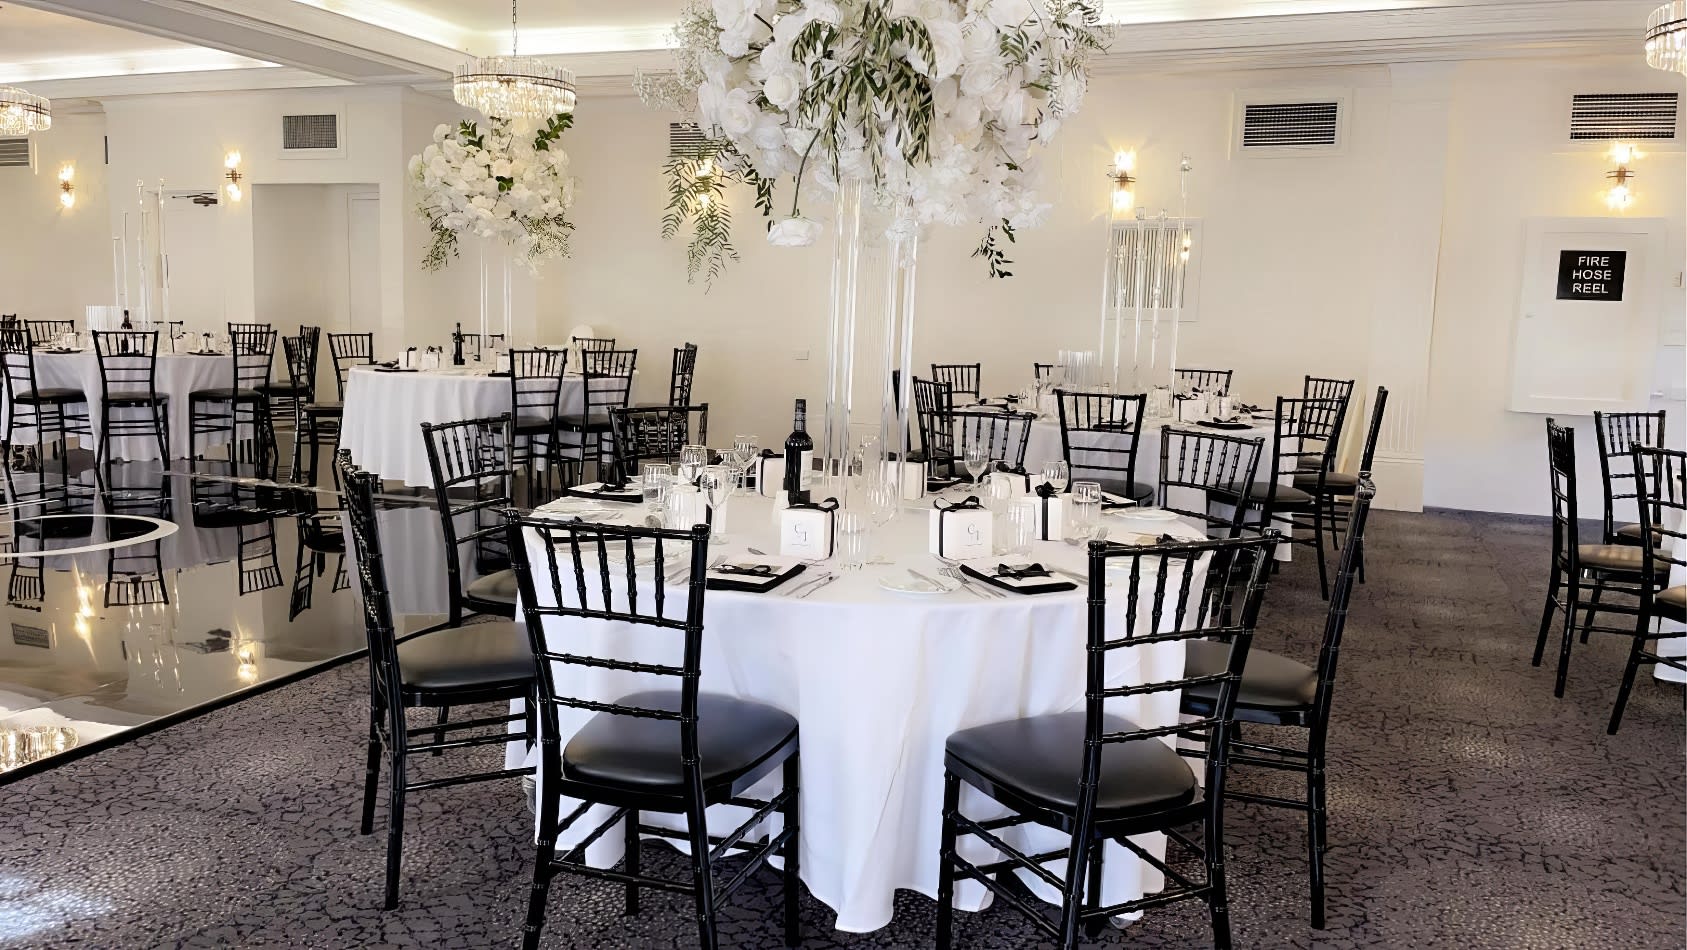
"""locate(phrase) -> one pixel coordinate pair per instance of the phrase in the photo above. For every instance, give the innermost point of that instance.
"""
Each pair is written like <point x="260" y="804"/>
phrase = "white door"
<point x="363" y="260"/>
<point x="193" y="263"/>
<point x="1587" y="332"/>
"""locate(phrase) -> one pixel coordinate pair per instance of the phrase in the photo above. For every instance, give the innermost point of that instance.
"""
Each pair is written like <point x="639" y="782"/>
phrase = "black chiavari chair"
<point x="535" y="400"/>
<point x="474" y="345"/>
<point x="8" y="321"/>
<point x="255" y="557"/>
<point x="134" y="573"/>
<point x="655" y="434"/>
<point x="1580" y="569"/>
<point x="215" y="410"/>
<point x="1278" y="691"/>
<point x="608" y="378"/>
<point x="288" y="398"/>
<point x="1617" y="433"/>
<point x="1003" y="435"/>
<point x="349" y="350"/>
<point x="1207" y="380"/>
<point x="1196" y="464"/>
<point x="443" y="667"/>
<point x="128" y="362"/>
<point x="1042" y="372"/>
<point x="472" y="485"/>
<point x="319" y="535"/>
<point x="1095" y="774"/>
<point x="960" y="378"/>
<point x="1099" y="434"/>
<point x="1661" y="490"/>
<point x="934" y="413"/>
<point x="1304" y="440"/>
<point x="53" y="413"/>
<point x="590" y="343"/>
<point x="684" y="371"/>
<point x="1335" y="490"/>
<point x="47" y="332"/>
<point x="1322" y="387"/>
<point x="671" y="750"/>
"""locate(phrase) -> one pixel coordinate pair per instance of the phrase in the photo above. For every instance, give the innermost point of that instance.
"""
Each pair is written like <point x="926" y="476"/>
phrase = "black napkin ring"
<point x="965" y="504"/>
<point x="830" y="504"/>
<point x="752" y="570"/>
<point x="1021" y="573"/>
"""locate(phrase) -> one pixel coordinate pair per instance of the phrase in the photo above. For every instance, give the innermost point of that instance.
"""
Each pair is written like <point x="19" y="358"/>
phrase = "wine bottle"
<point x="457" y="345"/>
<point x="799" y="448"/>
<point x="123" y="342"/>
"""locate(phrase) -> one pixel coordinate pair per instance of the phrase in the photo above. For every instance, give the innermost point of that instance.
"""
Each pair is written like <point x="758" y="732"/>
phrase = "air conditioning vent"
<point x="310" y="132"/>
<point x="1296" y="125"/>
<point x="15" y="153"/>
<point x="684" y="138"/>
<point x="1598" y="117"/>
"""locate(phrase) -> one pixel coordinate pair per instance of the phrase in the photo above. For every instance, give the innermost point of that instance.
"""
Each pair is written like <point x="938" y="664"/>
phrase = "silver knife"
<point x="823" y="582"/>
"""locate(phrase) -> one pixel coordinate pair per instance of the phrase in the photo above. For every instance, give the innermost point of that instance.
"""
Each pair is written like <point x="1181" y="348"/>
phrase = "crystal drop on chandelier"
<point x="1666" y="37"/>
<point x="514" y="87"/>
<point x="22" y="113"/>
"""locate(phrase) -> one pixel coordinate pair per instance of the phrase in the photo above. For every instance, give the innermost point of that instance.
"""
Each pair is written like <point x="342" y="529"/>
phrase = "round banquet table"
<point x="385" y="410"/>
<point x="877" y="681"/>
<point x="177" y="375"/>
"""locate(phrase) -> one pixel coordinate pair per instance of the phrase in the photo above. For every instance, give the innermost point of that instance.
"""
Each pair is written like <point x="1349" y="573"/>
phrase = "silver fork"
<point x="981" y="590"/>
<point x="823" y="582"/>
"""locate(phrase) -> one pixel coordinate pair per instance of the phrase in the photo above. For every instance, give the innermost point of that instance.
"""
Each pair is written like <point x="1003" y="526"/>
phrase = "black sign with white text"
<point x="1591" y="275"/>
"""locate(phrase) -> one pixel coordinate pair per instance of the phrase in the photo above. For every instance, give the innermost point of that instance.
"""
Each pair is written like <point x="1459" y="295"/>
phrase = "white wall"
<point x="54" y="262"/>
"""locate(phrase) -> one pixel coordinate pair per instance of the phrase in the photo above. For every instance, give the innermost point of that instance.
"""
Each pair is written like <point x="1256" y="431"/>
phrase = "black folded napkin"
<point x="1005" y="577"/>
<point x="393" y="369"/>
<point x="1215" y="424"/>
<point x="1247" y="407"/>
<point x="750" y="570"/>
<point x="754" y="578"/>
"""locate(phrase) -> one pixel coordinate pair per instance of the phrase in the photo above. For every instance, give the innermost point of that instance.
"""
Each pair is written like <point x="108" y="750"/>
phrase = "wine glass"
<point x="1086" y="511"/>
<point x="716" y="482"/>
<point x="977" y="459"/>
<point x="854" y="544"/>
<point x="883" y="500"/>
<point x="1058" y="474"/>
<point x="744" y="452"/>
<point x="692" y="459"/>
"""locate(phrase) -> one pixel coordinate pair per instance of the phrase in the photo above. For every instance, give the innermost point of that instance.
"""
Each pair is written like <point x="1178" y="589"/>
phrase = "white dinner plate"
<point x="905" y="583"/>
<point x="1144" y="514"/>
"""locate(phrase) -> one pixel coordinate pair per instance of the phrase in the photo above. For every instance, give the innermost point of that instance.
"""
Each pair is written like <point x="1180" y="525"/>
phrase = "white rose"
<point x="414" y="167"/>
<point x="1012" y="110"/>
<point x="793" y="232"/>
<point x="711" y="96"/>
<point x="946" y="48"/>
<point x="769" y="135"/>
<point x="980" y="43"/>
<point x="502" y="168"/>
<point x="825" y="11"/>
<point x="782" y="88"/>
<point x="440" y="132"/>
<point x="977" y="81"/>
<point x="737" y="116"/>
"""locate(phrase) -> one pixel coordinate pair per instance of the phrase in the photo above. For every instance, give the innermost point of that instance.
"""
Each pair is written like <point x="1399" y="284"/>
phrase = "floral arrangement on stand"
<point x="938" y="106"/>
<point x="508" y="180"/>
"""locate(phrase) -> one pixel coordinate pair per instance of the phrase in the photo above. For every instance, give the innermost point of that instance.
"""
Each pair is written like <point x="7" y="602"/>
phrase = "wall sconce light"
<point x="67" y="188"/>
<point x="1124" y="190"/>
<point x="232" y="162"/>
<point x="1619" y="197"/>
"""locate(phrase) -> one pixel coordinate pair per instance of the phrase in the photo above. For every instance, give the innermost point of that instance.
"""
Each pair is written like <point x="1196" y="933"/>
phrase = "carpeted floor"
<point x="1468" y="807"/>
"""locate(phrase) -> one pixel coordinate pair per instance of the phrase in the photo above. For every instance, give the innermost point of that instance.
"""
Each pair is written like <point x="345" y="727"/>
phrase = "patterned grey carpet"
<point x="1469" y="808"/>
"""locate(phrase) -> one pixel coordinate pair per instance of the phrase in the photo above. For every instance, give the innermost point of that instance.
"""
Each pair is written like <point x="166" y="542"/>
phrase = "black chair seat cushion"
<point x="52" y="394"/>
<point x="1672" y="603"/>
<point x="326" y="409"/>
<point x="1288" y="498"/>
<point x="1269" y="681"/>
<point x="481" y="656"/>
<point x="225" y="395"/>
<point x="530" y="424"/>
<point x="1040" y="758"/>
<point x="736" y="740"/>
<point x="1630" y="534"/>
<point x="499" y="587"/>
<point x="1611" y="557"/>
<point x="136" y="399"/>
<point x="283" y="389"/>
<point x="585" y="422"/>
<point x="1335" y="483"/>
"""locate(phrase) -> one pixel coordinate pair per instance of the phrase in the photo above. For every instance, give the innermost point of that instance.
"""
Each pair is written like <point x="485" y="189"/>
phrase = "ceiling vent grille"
<point x="15" y="153"/>
<point x="684" y="138"/>
<point x="310" y="132"/>
<point x="1296" y="125"/>
<point x="1598" y="117"/>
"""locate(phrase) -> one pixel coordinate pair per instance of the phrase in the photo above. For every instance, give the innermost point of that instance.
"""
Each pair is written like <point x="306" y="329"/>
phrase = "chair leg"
<point x="395" y="804"/>
<point x="439" y="734"/>
<point x="1092" y="930"/>
<point x="161" y="430"/>
<point x="702" y="879"/>
<point x="544" y="856"/>
<point x="1643" y="625"/>
<point x="1592" y="606"/>
<point x="946" y="862"/>
<point x="1218" y="905"/>
<point x="788" y="814"/>
<point x="1571" y="601"/>
<point x="1315" y="842"/>
<point x="630" y="842"/>
<point x="1072" y="898"/>
<point x="1546" y="615"/>
<point x="1318" y="546"/>
<point x="372" y="773"/>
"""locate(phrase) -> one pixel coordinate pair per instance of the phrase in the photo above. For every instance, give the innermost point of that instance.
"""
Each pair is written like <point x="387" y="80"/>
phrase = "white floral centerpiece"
<point x="509" y="181"/>
<point x="939" y="106"/>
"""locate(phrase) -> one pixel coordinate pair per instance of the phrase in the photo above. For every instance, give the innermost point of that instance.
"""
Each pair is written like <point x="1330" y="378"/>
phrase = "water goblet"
<point x="1021" y="527"/>
<point x="977" y="459"/>
<point x="692" y="459"/>
<point x="1086" y="511"/>
<point x="744" y="452"/>
<point x="716" y="483"/>
<point x="1058" y="474"/>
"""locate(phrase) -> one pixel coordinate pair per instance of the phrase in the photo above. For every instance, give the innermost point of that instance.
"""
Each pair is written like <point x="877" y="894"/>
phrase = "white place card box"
<point x="913" y="476"/>
<point x="1009" y="484"/>
<point x="960" y="533"/>
<point x="770" y="475"/>
<point x="1050" y="514"/>
<point x="806" y="532"/>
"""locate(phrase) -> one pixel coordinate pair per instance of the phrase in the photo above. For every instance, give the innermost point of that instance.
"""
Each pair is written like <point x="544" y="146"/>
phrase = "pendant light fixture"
<point x="22" y="113"/>
<point x="514" y="87"/>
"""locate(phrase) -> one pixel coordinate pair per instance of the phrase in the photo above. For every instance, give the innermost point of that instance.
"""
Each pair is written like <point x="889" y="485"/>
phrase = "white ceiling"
<point x="99" y="47"/>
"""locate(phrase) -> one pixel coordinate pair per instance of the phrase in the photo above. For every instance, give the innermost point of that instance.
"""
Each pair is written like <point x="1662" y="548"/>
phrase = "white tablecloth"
<point x="877" y="681"/>
<point x="178" y="374"/>
<point x="384" y="413"/>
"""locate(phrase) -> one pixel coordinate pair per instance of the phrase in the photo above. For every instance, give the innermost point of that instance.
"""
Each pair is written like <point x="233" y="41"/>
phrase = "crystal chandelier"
<point x="514" y="87"/>
<point x="22" y="113"/>
<point x="1666" y="37"/>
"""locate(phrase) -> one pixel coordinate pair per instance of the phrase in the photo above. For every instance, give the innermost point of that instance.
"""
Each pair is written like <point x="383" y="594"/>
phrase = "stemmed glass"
<point x="716" y="482"/>
<point x="692" y="460"/>
<point x="743" y="455"/>
<point x="977" y="460"/>
<point x="1058" y="474"/>
<point x="1086" y="511"/>
<point x="883" y="500"/>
